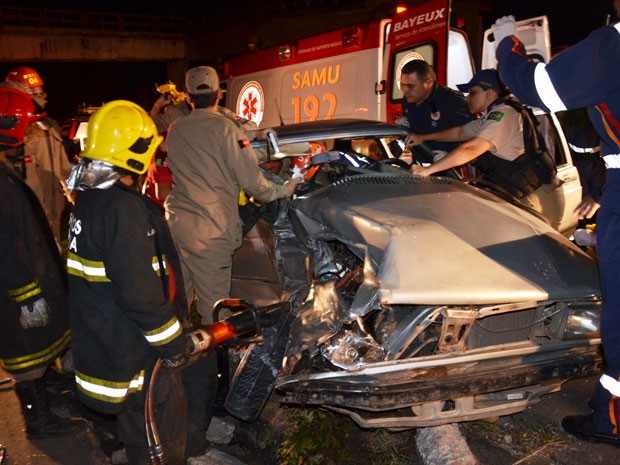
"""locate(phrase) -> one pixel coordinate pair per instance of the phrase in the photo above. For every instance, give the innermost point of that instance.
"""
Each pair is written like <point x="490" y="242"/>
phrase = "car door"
<point x="534" y="33"/>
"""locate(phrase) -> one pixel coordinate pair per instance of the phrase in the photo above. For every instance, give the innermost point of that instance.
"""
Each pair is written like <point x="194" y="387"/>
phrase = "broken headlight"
<point x="580" y="320"/>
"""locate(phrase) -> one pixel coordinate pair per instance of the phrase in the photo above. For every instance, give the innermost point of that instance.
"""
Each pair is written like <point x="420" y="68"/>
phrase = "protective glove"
<point x="180" y="359"/>
<point x="176" y="361"/>
<point x="34" y="314"/>
<point x="504" y="27"/>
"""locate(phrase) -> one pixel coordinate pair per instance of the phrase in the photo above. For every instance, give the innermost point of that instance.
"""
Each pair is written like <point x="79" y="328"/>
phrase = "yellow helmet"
<point x="123" y="134"/>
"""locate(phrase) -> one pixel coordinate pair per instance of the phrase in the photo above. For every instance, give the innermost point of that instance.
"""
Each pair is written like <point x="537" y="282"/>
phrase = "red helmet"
<point x="16" y="113"/>
<point x="27" y="76"/>
<point x="302" y="165"/>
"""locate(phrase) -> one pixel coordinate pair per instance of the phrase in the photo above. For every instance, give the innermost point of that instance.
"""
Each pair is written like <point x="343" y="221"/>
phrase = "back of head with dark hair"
<point x="421" y="68"/>
<point x="204" y="100"/>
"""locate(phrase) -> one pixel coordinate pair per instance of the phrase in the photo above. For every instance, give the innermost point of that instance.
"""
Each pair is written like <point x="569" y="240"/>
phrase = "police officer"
<point x="428" y="106"/>
<point x="47" y="164"/>
<point x="33" y="299"/>
<point x="494" y="142"/>
<point x="121" y="315"/>
<point x="584" y="75"/>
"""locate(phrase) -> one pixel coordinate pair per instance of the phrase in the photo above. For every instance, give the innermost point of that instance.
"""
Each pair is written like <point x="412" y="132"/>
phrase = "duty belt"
<point x="576" y="149"/>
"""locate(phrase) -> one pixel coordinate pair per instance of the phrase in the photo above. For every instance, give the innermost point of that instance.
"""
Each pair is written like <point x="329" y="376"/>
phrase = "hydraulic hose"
<point x="205" y="339"/>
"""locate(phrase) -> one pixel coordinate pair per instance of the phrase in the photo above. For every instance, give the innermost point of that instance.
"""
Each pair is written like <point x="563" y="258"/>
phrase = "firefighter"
<point x="122" y="319"/>
<point x="35" y="312"/>
<point x="211" y="159"/>
<point x="584" y="75"/>
<point x="47" y="164"/>
<point x="164" y="112"/>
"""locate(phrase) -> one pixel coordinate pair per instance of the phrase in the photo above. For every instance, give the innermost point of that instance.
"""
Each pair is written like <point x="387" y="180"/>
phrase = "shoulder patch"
<point x="243" y="143"/>
<point x="496" y="115"/>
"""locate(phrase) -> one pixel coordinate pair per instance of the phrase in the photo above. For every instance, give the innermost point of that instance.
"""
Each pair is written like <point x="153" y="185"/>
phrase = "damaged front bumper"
<point x="435" y="390"/>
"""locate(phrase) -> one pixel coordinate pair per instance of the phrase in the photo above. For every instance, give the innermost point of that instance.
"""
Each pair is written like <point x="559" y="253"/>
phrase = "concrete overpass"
<point x="32" y="36"/>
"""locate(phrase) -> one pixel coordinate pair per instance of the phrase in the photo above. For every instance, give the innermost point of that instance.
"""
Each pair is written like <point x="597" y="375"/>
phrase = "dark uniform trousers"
<point x="607" y="407"/>
<point x="170" y="410"/>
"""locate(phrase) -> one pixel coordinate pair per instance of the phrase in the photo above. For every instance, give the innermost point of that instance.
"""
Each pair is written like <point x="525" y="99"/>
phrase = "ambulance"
<point x="354" y="72"/>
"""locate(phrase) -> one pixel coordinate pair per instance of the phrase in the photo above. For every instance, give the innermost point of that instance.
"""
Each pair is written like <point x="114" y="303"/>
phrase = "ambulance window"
<point x="425" y="51"/>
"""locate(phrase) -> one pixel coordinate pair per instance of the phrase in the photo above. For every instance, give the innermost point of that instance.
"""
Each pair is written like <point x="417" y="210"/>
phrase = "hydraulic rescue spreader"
<point x="241" y="328"/>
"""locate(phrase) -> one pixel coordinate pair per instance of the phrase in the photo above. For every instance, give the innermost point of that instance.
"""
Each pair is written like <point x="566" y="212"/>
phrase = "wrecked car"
<point x="410" y="302"/>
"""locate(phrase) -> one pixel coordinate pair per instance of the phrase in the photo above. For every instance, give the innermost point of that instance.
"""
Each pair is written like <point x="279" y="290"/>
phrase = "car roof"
<point x="334" y="129"/>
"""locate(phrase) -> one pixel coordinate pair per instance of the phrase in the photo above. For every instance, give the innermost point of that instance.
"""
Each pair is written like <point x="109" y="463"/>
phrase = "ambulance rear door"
<point x="533" y="32"/>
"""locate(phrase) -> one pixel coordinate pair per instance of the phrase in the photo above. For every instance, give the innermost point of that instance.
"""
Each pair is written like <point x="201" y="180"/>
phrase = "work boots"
<point x="40" y="421"/>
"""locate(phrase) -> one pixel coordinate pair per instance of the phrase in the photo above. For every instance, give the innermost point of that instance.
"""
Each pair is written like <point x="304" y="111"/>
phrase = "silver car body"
<point x="418" y="301"/>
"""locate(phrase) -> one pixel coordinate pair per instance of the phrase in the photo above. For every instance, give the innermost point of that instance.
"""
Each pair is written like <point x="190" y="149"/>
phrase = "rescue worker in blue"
<point x="121" y="318"/>
<point x="584" y="75"/>
<point x="33" y="299"/>
<point x="430" y="107"/>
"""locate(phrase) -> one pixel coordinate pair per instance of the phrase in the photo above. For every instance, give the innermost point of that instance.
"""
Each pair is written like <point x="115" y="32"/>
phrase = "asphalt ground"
<point x="85" y="448"/>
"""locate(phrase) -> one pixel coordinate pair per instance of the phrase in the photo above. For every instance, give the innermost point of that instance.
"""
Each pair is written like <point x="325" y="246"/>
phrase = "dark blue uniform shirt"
<point x="584" y="75"/>
<point x="445" y="108"/>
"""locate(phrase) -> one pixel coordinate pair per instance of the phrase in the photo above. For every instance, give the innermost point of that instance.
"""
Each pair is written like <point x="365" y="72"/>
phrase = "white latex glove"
<point x="504" y="27"/>
<point x="34" y="314"/>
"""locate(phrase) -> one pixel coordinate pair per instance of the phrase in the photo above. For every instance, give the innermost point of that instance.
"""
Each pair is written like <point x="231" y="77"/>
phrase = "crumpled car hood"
<point x="438" y="241"/>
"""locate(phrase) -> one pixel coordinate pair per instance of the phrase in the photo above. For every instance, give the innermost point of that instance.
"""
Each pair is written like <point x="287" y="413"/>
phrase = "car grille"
<point x="502" y="329"/>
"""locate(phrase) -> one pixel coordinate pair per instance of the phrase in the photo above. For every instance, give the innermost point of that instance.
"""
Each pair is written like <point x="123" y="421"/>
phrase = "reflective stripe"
<point x="351" y="160"/>
<point x="156" y="265"/>
<point x="546" y="90"/>
<point x="90" y="270"/>
<point x="43" y="357"/>
<point x="576" y="149"/>
<point x="612" y="161"/>
<point x="108" y="391"/>
<point x="164" y="334"/>
<point x="25" y="292"/>
<point x="612" y="385"/>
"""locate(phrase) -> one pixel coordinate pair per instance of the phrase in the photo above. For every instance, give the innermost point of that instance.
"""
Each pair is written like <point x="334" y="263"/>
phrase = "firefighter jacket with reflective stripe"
<point x="120" y="314"/>
<point x="30" y="268"/>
